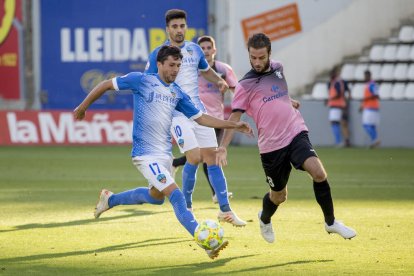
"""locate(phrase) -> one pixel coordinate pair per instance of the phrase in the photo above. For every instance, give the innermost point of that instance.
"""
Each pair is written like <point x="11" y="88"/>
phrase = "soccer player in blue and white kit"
<point x="156" y="96"/>
<point x="199" y="143"/>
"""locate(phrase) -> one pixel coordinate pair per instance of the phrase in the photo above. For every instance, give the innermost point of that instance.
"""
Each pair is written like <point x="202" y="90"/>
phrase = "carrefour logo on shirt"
<point x="275" y="96"/>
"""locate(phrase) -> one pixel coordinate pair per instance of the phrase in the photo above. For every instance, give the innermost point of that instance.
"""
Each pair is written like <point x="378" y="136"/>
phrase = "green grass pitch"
<point x="47" y="197"/>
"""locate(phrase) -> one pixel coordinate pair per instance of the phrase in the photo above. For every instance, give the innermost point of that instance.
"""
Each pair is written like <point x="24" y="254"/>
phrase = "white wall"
<point x="330" y="31"/>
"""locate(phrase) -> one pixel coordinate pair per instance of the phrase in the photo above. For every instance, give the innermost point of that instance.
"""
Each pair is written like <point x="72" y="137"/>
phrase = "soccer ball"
<point x="209" y="234"/>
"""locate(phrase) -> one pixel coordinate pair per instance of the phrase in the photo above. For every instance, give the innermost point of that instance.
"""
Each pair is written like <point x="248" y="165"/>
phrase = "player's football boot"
<point x="229" y="195"/>
<point x="214" y="253"/>
<point x="266" y="230"/>
<point x="102" y="204"/>
<point x="341" y="229"/>
<point x="231" y="217"/>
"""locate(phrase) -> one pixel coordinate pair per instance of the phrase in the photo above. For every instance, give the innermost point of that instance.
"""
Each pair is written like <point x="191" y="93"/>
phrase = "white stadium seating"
<point x="320" y="91"/>
<point x="406" y="34"/>
<point x="400" y="71"/>
<point x="357" y="92"/>
<point x="410" y="72"/>
<point x="385" y="91"/>
<point x="390" y="53"/>
<point x="398" y="91"/>
<point x="359" y="71"/>
<point x="347" y="71"/>
<point x="387" y="72"/>
<point x="409" y="91"/>
<point x="375" y="70"/>
<point x="376" y="53"/>
<point x="403" y="53"/>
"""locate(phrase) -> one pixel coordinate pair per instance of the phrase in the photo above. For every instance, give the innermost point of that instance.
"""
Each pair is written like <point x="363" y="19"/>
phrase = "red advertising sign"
<point x="275" y="24"/>
<point x="60" y="128"/>
<point x="10" y="18"/>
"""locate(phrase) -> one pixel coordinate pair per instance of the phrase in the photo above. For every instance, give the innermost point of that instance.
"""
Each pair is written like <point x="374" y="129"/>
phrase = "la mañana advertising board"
<point x="86" y="41"/>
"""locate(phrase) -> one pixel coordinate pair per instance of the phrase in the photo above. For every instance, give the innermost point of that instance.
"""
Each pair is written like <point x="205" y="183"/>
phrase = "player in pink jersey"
<point x="211" y="96"/>
<point x="282" y="137"/>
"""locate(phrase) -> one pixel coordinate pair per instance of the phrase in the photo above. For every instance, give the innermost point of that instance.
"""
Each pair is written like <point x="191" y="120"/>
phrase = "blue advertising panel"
<point x="86" y="41"/>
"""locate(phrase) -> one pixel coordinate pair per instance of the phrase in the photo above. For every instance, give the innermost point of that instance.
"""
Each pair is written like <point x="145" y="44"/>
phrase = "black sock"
<point x="208" y="179"/>
<point x="324" y="198"/>
<point x="180" y="161"/>
<point x="269" y="208"/>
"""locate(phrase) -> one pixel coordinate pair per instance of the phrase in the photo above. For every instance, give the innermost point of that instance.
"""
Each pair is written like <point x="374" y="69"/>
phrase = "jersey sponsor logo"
<point x="274" y="97"/>
<point x="270" y="181"/>
<point x="162" y="178"/>
<point x="150" y="97"/>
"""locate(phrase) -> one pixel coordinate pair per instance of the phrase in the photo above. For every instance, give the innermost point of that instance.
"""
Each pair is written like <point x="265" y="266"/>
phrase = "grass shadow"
<point x="145" y="243"/>
<point x="131" y="213"/>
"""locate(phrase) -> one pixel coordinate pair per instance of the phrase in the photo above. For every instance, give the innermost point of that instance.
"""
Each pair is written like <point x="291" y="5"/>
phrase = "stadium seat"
<point x="387" y="72"/>
<point x="410" y="72"/>
<point x="409" y="91"/>
<point x="385" y="91"/>
<point x="403" y="53"/>
<point x="320" y="91"/>
<point x="412" y="54"/>
<point x="347" y="71"/>
<point x="390" y="53"/>
<point x="400" y="71"/>
<point x="376" y="53"/>
<point x="357" y="92"/>
<point x="359" y="71"/>
<point x="406" y="34"/>
<point x="398" y="91"/>
<point x="375" y="71"/>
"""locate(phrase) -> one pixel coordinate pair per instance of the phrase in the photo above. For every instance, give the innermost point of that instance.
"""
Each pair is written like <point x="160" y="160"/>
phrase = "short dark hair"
<point x="174" y="14"/>
<point x="206" y="38"/>
<point x="169" y="50"/>
<point x="258" y="41"/>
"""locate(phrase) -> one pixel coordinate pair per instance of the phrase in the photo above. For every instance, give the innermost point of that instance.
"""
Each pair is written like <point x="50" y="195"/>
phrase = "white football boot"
<point x="229" y="195"/>
<point x="266" y="230"/>
<point x="214" y="253"/>
<point x="231" y="217"/>
<point x="102" y="204"/>
<point x="341" y="229"/>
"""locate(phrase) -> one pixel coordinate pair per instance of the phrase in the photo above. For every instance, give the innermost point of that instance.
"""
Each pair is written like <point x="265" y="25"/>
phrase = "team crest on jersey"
<point x="279" y="74"/>
<point x="189" y="50"/>
<point x="181" y="142"/>
<point x="173" y="94"/>
<point x="162" y="178"/>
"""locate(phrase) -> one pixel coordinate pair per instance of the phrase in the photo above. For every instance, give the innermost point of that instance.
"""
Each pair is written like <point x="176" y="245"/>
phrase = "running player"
<point x="211" y="96"/>
<point x="199" y="143"/>
<point x="156" y="96"/>
<point x="282" y="137"/>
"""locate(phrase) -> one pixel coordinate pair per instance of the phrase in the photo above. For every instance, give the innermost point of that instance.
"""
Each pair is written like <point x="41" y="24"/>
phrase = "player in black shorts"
<point x="282" y="137"/>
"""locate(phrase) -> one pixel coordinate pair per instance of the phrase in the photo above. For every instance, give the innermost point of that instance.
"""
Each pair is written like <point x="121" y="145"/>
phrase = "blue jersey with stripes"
<point x="154" y="104"/>
<point x="193" y="61"/>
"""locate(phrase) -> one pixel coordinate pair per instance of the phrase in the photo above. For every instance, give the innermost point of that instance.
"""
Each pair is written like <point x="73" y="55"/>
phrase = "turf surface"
<point x="47" y="196"/>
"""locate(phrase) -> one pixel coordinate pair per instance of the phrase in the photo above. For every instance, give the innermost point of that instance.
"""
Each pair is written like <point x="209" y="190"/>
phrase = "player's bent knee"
<point x="193" y="157"/>
<point x="278" y="197"/>
<point x="319" y="176"/>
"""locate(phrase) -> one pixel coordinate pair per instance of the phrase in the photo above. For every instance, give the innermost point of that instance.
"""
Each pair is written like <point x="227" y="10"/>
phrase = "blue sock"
<point x="137" y="196"/>
<point x="185" y="217"/>
<point x="219" y="183"/>
<point x="372" y="131"/>
<point x="336" y="129"/>
<point x="189" y="179"/>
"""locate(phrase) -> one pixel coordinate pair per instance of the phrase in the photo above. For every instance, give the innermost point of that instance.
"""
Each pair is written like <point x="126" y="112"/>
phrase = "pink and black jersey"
<point x="209" y="92"/>
<point x="265" y="98"/>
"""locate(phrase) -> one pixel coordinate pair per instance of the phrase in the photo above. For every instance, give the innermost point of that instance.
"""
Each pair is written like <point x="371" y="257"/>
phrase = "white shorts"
<point x="190" y="135"/>
<point x="335" y="114"/>
<point x="370" y="117"/>
<point x="157" y="170"/>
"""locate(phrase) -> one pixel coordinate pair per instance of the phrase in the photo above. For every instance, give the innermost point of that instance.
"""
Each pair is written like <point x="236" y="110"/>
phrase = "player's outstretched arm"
<point x="96" y="93"/>
<point x="209" y="121"/>
<point x="221" y="155"/>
